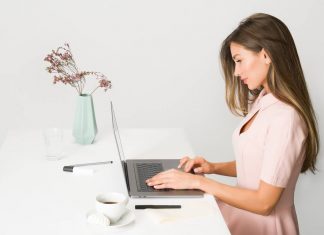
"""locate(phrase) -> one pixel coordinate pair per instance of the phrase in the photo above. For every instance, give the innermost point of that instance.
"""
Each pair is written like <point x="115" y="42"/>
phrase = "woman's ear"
<point x="265" y="56"/>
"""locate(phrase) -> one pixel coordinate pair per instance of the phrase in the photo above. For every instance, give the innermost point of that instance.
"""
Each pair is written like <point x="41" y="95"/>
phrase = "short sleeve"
<point x="283" y="148"/>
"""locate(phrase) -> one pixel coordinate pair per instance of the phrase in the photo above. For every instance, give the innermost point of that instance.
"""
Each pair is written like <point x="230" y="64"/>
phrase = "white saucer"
<point x="126" y="219"/>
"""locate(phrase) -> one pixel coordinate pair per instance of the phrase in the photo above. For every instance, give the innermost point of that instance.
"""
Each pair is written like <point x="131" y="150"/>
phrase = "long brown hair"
<point x="285" y="77"/>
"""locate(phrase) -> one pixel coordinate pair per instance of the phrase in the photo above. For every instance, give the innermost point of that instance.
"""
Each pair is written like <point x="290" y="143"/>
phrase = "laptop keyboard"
<point x="146" y="171"/>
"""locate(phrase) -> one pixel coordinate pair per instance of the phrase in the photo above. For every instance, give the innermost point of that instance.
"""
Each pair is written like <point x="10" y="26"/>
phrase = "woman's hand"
<point x="199" y="165"/>
<point x="174" y="179"/>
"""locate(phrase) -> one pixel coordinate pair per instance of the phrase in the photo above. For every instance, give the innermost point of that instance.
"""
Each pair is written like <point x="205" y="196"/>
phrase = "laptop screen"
<point x="118" y="140"/>
<point x="116" y="133"/>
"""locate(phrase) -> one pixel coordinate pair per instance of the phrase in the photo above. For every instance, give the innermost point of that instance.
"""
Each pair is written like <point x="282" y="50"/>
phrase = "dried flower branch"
<point x="65" y="70"/>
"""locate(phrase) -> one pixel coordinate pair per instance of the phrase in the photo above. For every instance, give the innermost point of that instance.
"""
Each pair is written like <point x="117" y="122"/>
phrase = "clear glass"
<point x="53" y="138"/>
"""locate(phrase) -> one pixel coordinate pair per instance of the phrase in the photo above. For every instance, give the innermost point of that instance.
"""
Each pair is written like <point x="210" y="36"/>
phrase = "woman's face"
<point x="252" y="68"/>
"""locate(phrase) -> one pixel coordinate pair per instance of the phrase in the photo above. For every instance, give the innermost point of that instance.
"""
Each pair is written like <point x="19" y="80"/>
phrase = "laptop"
<point x="137" y="171"/>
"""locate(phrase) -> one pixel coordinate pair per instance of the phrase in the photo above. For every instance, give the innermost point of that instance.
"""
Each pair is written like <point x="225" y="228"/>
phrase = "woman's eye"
<point x="238" y="61"/>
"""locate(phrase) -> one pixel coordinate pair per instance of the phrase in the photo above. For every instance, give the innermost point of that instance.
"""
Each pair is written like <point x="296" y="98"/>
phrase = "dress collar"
<point x="264" y="100"/>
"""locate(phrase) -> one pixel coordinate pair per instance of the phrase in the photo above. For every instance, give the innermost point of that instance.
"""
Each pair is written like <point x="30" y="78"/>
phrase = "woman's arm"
<point x="225" y="168"/>
<point x="260" y="201"/>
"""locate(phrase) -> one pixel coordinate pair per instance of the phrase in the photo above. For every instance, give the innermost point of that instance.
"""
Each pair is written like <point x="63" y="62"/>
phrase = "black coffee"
<point x="109" y="202"/>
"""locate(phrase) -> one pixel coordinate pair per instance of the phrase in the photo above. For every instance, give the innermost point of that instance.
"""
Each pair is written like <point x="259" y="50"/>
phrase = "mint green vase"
<point x="85" y="126"/>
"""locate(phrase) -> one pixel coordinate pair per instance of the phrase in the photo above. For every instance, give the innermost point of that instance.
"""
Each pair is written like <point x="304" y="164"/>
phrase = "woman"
<point x="277" y="139"/>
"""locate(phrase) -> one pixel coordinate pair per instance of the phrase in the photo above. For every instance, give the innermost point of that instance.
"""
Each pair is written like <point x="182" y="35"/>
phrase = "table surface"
<point x="37" y="197"/>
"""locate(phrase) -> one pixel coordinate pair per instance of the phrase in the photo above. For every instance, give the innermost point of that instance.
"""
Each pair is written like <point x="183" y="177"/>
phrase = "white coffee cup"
<point x="112" y="205"/>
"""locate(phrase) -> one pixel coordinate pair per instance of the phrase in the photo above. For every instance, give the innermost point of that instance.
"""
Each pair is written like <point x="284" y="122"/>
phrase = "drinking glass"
<point x="53" y="138"/>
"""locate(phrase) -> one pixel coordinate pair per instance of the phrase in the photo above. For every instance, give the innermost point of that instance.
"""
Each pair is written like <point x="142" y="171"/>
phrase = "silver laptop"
<point x="136" y="171"/>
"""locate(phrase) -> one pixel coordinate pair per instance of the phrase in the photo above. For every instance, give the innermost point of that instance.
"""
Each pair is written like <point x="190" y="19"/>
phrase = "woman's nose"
<point x="237" y="72"/>
<point x="237" y="75"/>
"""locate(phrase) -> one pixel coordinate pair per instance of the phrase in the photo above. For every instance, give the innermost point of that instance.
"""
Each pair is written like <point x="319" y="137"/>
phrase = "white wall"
<point x="162" y="58"/>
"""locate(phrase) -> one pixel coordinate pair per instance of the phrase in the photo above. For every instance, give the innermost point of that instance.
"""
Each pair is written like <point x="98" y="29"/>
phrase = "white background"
<point x="162" y="59"/>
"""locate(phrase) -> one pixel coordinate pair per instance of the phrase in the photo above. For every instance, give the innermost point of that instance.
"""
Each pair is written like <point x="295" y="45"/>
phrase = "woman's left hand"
<point x="174" y="179"/>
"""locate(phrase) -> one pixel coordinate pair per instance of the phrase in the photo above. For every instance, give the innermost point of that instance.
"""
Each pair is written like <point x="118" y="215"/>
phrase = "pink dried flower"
<point x="105" y="83"/>
<point x="64" y="68"/>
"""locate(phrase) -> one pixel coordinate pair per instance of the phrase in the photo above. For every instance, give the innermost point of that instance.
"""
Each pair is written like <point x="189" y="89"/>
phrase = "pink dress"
<point x="271" y="149"/>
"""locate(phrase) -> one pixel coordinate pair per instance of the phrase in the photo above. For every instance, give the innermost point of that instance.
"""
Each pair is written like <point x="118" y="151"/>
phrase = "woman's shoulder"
<point x="285" y="115"/>
<point x="283" y="110"/>
<point x="275" y="107"/>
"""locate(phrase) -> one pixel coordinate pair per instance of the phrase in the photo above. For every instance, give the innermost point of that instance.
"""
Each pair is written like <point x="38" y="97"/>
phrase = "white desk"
<point x="37" y="197"/>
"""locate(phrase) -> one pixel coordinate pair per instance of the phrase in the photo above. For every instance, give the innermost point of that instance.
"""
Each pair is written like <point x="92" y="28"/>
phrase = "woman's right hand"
<point x="198" y="165"/>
